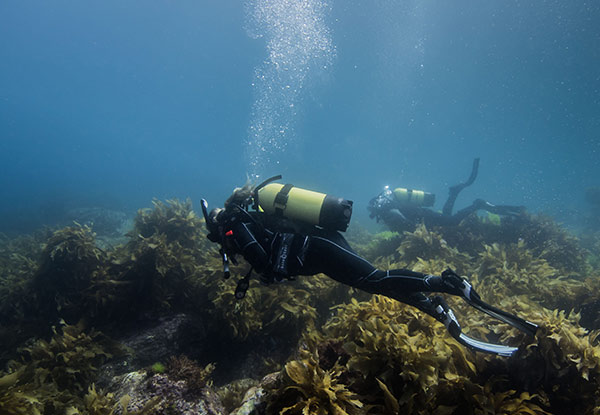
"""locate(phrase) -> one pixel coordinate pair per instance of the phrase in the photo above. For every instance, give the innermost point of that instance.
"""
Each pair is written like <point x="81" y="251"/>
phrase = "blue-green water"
<point x="113" y="103"/>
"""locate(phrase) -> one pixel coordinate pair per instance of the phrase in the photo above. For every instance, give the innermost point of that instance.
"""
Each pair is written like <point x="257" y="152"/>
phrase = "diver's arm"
<point x="242" y="237"/>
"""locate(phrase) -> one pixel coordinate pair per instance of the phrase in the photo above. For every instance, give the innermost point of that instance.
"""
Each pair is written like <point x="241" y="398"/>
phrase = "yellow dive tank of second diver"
<point x="414" y="197"/>
<point x="307" y="206"/>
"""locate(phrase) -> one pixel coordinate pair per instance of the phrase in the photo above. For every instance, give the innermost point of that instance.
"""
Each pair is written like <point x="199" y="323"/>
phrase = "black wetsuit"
<point x="277" y="250"/>
<point x="280" y="252"/>
<point x="400" y="216"/>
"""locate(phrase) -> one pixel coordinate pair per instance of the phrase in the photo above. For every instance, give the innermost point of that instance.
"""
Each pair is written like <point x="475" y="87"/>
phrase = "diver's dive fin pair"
<point x="446" y="316"/>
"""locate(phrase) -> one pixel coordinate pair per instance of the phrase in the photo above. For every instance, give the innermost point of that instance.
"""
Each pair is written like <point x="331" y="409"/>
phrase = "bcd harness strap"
<point x="281" y="199"/>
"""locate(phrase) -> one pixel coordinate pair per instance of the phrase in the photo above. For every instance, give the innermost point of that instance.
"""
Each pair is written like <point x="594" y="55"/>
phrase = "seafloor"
<point x="92" y="322"/>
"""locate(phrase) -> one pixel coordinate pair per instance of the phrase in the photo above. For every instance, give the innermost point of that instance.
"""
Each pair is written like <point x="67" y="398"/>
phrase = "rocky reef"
<point x="150" y="326"/>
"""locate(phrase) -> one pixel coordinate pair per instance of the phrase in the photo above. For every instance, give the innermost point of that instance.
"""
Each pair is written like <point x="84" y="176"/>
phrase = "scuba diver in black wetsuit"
<point x="402" y="209"/>
<point x="284" y="231"/>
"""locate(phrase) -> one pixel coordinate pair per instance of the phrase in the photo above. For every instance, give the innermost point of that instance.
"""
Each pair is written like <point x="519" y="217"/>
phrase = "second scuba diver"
<point x="402" y="209"/>
<point x="283" y="231"/>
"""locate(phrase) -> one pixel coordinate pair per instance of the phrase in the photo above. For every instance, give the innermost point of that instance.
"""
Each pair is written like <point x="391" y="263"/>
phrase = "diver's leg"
<point x="459" y="216"/>
<point x="399" y="283"/>
<point x="480" y="204"/>
<point x="456" y="189"/>
<point x="503" y="210"/>
<point x="332" y="256"/>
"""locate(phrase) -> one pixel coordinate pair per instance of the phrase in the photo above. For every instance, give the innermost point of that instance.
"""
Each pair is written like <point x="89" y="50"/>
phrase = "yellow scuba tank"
<point x="414" y="197"/>
<point x="306" y="206"/>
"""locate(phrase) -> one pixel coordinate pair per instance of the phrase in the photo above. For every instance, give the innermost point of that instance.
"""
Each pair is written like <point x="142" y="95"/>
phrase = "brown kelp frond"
<point x="72" y="244"/>
<point x="409" y="353"/>
<point x="19" y="259"/>
<point x="276" y="308"/>
<point x="306" y="388"/>
<point x="175" y="219"/>
<point x="381" y="244"/>
<point x="162" y="263"/>
<point x="16" y="396"/>
<point x="507" y="402"/>
<point x="53" y="375"/>
<point x="426" y="245"/>
<point x="563" y="360"/>
<point x="325" y="290"/>
<point x="509" y="270"/>
<point x="100" y="403"/>
<point x="71" y="357"/>
<point x="554" y="243"/>
<point x="70" y="262"/>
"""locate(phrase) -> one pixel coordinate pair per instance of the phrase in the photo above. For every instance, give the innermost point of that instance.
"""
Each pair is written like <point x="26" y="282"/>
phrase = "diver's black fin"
<point x="517" y="322"/>
<point x="457" y="188"/>
<point x="480" y="346"/>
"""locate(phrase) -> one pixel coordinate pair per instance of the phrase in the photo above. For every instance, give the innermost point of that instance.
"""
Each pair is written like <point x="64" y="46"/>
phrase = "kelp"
<point x="380" y="244"/>
<point x="19" y="259"/>
<point x="70" y="262"/>
<point x="187" y="370"/>
<point x="280" y="308"/>
<point x="52" y="376"/>
<point x="306" y="388"/>
<point x="232" y="394"/>
<point x="101" y="403"/>
<point x="159" y="263"/>
<point x="423" y="244"/>
<point x="367" y="354"/>
<point x="399" y="353"/>
<point x="174" y="219"/>
<point x="382" y="357"/>
<point x="563" y="360"/>
<point x="511" y="270"/>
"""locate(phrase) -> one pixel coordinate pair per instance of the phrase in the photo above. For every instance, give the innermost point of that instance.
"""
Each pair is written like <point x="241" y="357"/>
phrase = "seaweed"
<point x="187" y="370"/>
<point x="70" y="262"/>
<point x="306" y="388"/>
<point x="398" y="352"/>
<point x="52" y="376"/>
<point x="336" y="349"/>
<point x="563" y="360"/>
<point x="160" y="267"/>
<point x="280" y="309"/>
<point x="174" y="219"/>
<point x="100" y="403"/>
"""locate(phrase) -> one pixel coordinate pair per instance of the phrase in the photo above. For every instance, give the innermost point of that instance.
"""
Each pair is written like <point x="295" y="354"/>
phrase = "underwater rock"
<point x="167" y="396"/>
<point x="254" y="401"/>
<point x="151" y="342"/>
<point x="159" y="340"/>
